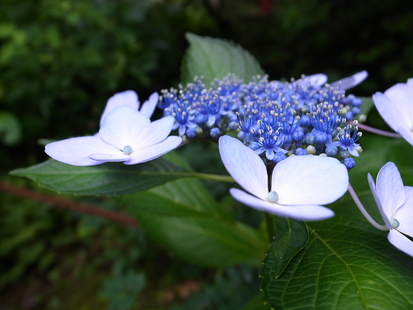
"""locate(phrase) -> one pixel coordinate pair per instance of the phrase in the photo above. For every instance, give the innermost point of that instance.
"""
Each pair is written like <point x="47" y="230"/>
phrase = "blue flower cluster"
<point x="274" y="118"/>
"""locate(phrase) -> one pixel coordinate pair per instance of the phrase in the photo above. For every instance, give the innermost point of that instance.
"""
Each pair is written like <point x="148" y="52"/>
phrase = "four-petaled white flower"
<point x="395" y="203"/>
<point x="396" y="108"/>
<point x="126" y="135"/>
<point x="299" y="184"/>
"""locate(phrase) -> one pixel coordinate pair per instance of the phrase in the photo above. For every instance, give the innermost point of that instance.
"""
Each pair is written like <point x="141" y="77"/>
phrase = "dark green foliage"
<point x="123" y="288"/>
<point x="60" y="62"/>
<point x="289" y="238"/>
<point x="337" y="267"/>
<point x="230" y="289"/>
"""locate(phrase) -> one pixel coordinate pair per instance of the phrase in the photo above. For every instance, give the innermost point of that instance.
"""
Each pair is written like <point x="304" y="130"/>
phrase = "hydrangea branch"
<point x="54" y="201"/>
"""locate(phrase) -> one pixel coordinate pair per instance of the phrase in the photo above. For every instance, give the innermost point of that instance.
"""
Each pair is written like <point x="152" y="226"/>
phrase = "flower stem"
<point x="269" y="220"/>
<point x="363" y="210"/>
<point x="378" y="131"/>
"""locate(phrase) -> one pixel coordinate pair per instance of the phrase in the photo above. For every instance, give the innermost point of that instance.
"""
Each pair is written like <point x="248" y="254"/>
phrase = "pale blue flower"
<point x="395" y="203"/>
<point x="396" y="108"/>
<point x="351" y="81"/>
<point x="126" y="135"/>
<point x="300" y="185"/>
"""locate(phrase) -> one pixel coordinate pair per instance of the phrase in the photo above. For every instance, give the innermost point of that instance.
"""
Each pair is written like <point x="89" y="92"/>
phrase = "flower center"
<point x="127" y="150"/>
<point x="394" y="223"/>
<point x="272" y="196"/>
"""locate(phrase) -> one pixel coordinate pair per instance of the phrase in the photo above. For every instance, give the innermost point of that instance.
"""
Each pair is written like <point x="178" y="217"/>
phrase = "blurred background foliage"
<point x="59" y="63"/>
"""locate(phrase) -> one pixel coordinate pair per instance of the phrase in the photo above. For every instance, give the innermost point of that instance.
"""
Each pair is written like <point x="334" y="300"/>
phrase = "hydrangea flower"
<point x="126" y="135"/>
<point x="396" y="108"/>
<point x="395" y="203"/>
<point x="300" y="185"/>
<point x="273" y="118"/>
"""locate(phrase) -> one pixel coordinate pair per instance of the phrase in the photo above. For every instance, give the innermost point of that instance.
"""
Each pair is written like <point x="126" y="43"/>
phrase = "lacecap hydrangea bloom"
<point x="396" y="108"/>
<point x="395" y="203"/>
<point x="274" y="118"/>
<point x="126" y="135"/>
<point x="300" y="185"/>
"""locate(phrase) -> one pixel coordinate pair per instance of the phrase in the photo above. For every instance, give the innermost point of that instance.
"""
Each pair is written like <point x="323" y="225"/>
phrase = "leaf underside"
<point x="110" y="179"/>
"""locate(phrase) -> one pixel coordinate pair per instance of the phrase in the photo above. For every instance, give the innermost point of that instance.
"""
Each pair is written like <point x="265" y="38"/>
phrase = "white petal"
<point x="244" y="165"/>
<point x="395" y="106"/>
<point x="387" y="110"/>
<point x="377" y="199"/>
<point x="408" y="191"/>
<point x="401" y="242"/>
<point x="351" y="81"/>
<point x="129" y="98"/>
<point x="300" y="213"/>
<point x="400" y="95"/>
<point x="76" y="151"/>
<point x="410" y="94"/>
<point x="122" y="127"/>
<point x="404" y="215"/>
<point x="406" y="134"/>
<point x="154" y="151"/>
<point x="149" y="105"/>
<point x="309" y="180"/>
<point x="317" y="80"/>
<point x="155" y="132"/>
<point x="390" y="189"/>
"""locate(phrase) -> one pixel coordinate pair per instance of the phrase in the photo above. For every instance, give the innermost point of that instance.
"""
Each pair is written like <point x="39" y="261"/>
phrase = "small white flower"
<point x="126" y="135"/>
<point x="396" y="108"/>
<point x="395" y="203"/>
<point x="319" y="79"/>
<point x="299" y="184"/>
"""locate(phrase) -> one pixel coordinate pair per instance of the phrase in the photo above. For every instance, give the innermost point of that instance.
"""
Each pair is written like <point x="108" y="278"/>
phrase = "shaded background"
<point x="59" y="63"/>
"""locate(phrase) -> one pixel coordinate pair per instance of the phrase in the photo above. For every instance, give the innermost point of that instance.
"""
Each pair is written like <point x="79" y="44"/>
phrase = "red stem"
<point x="68" y="204"/>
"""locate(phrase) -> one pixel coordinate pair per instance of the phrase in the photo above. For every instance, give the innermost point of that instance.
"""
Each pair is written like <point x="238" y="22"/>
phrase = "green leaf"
<point x="215" y="58"/>
<point x="109" y="179"/>
<point x="347" y="264"/>
<point x="256" y="303"/>
<point x="182" y="217"/>
<point x="290" y="237"/>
